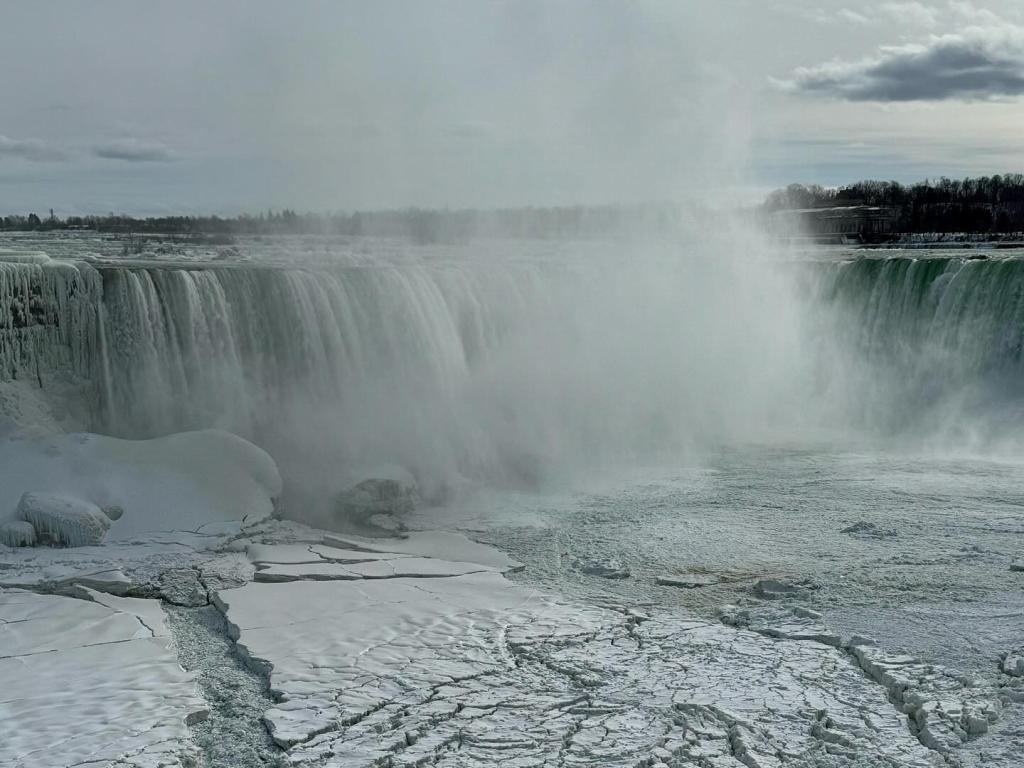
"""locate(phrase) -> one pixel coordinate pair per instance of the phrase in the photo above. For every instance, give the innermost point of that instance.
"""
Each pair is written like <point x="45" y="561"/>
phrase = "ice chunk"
<point x="689" y="580"/>
<point x="865" y="528"/>
<point x="773" y="589"/>
<point x="404" y="567"/>
<point x="181" y="586"/>
<point x="605" y="569"/>
<point x="63" y="520"/>
<point x="1013" y="664"/>
<point x="444" y="545"/>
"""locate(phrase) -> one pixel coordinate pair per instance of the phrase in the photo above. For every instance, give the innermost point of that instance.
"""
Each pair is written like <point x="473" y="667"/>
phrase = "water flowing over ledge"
<point x="450" y="368"/>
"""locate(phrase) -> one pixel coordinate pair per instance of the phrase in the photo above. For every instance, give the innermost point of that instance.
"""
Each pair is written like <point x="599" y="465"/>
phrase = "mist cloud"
<point x="135" y="151"/>
<point x="980" y="63"/>
<point x="35" y="150"/>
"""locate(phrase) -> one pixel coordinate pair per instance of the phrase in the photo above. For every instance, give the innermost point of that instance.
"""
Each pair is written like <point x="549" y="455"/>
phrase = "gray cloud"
<point x="134" y="151"/>
<point x="30" y="149"/>
<point x="980" y="63"/>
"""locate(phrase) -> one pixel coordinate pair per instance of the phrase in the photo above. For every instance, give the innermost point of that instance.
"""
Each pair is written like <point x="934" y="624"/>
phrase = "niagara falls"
<point x="531" y="383"/>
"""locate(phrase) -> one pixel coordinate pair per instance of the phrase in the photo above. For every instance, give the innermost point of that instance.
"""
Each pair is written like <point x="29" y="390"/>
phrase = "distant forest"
<point x="421" y="225"/>
<point x="987" y="204"/>
<point x="978" y="205"/>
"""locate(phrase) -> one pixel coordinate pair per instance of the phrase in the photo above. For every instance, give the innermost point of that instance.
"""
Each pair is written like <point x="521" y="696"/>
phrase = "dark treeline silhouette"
<point x="979" y="205"/>
<point x="418" y="224"/>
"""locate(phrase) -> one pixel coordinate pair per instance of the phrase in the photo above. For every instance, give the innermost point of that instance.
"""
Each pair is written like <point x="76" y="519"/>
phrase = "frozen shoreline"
<point x="253" y="641"/>
<point x="418" y="651"/>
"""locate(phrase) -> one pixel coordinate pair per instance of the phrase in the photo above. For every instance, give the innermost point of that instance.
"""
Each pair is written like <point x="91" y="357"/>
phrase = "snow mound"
<point x="178" y="482"/>
<point x="63" y="520"/>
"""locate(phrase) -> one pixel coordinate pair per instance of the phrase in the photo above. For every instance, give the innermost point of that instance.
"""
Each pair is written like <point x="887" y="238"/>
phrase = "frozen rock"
<point x="380" y="501"/>
<point x="114" y="512"/>
<point x="689" y="580"/>
<point x="63" y="520"/>
<point x="605" y="569"/>
<point x="18" y="533"/>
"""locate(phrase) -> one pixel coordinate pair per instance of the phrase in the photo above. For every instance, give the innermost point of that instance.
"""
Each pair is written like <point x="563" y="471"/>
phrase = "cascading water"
<point x="470" y="367"/>
<point x="508" y="370"/>
<point x="368" y="365"/>
<point x="928" y="348"/>
<point x="49" y="322"/>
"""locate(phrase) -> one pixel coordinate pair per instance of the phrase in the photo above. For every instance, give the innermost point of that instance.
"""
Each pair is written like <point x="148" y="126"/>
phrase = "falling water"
<point x="928" y="348"/>
<point x="506" y="371"/>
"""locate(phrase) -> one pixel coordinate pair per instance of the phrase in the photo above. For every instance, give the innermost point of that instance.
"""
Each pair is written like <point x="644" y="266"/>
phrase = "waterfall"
<point x="487" y="369"/>
<point x="366" y="359"/>
<point x="501" y="370"/>
<point x="50" y="328"/>
<point x="927" y="346"/>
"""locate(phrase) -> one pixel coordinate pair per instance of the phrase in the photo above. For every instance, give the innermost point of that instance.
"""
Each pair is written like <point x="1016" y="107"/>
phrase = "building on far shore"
<point x="841" y="224"/>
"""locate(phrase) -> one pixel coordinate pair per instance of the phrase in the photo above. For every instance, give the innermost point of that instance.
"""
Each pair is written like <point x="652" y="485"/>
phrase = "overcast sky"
<point x="228" y="106"/>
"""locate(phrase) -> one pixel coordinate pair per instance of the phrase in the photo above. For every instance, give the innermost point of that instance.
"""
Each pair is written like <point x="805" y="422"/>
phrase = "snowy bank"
<point x="178" y="482"/>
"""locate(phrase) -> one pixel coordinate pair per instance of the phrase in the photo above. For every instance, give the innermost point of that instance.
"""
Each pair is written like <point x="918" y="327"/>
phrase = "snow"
<point x="91" y="682"/>
<point x="421" y="656"/>
<point x="447" y="545"/>
<point x="416" y="649"/>
<point x="474" y="670"/>
<point x="412" y="567"/>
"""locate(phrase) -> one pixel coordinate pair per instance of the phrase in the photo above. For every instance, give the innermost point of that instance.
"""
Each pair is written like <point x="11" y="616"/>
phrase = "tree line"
<point x="977" y="205"/>
<point x="418" y="224"/>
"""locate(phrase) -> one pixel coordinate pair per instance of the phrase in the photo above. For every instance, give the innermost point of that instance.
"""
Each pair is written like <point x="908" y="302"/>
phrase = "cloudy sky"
<point x="229" y="106"/>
